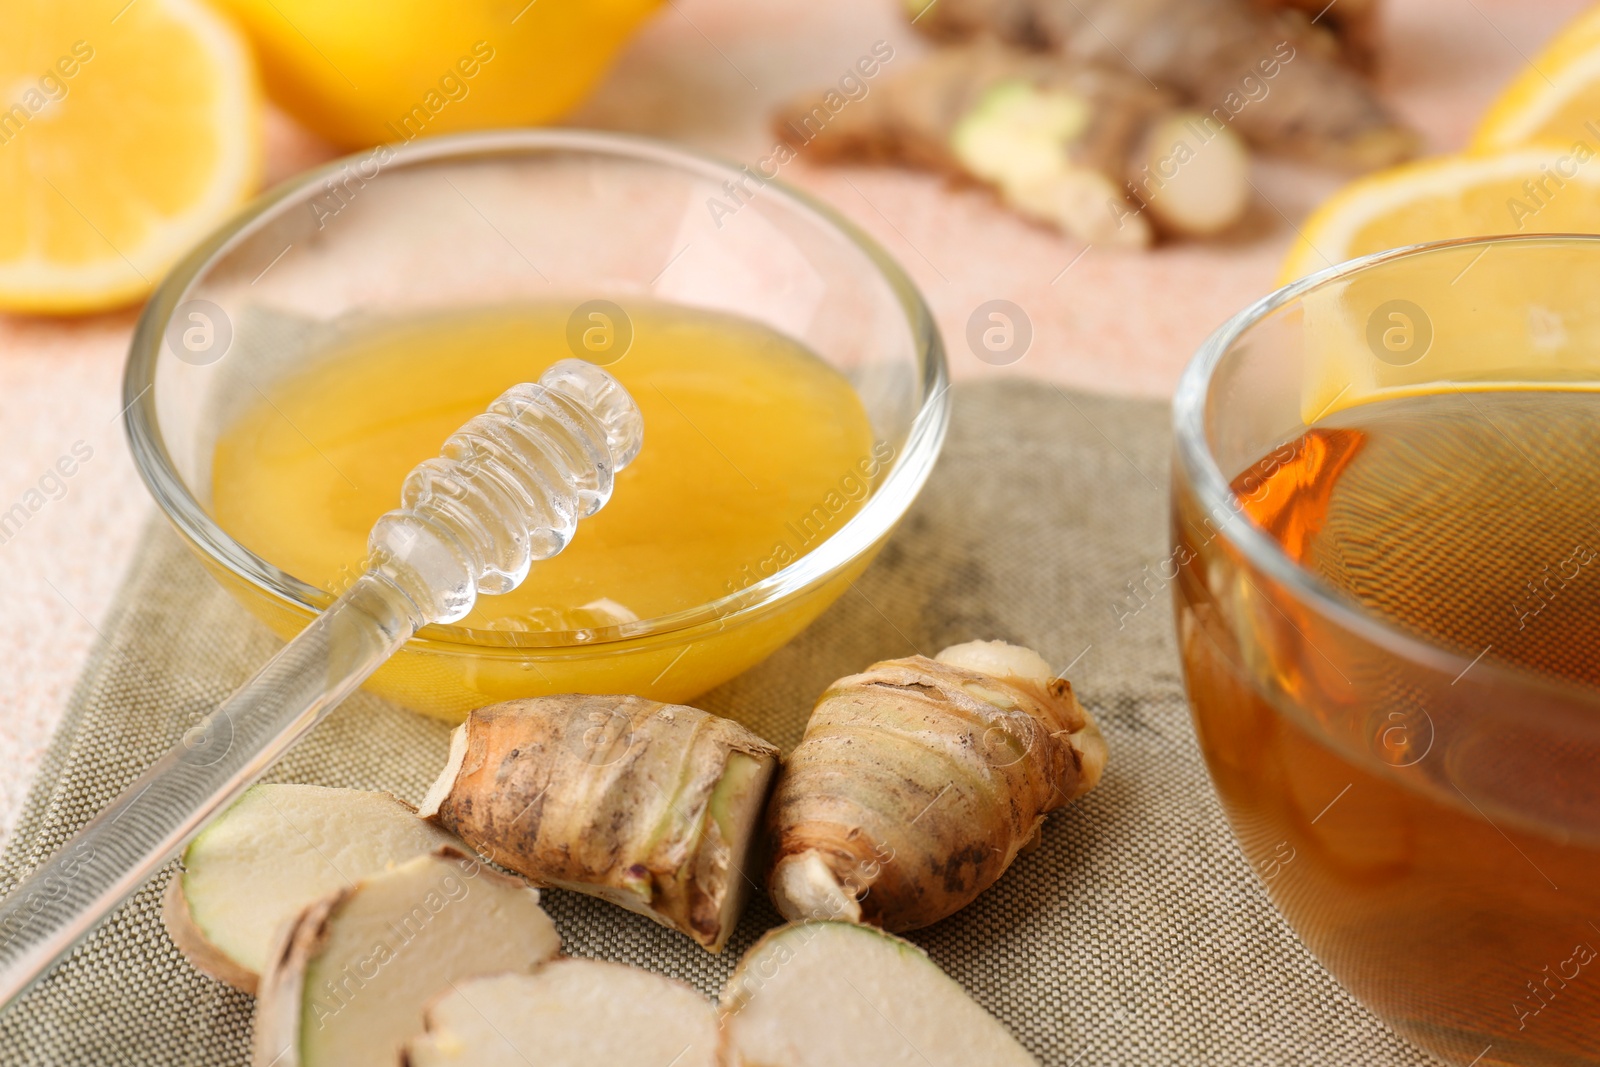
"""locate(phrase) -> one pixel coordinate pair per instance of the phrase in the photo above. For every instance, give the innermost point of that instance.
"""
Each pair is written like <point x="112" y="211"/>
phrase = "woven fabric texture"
<point x="1137" y="935"/>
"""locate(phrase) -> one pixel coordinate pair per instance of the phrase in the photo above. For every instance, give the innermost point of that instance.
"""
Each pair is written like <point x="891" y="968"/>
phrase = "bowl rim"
<point x="1198" y="468"/>
<point x="908" y="470"/>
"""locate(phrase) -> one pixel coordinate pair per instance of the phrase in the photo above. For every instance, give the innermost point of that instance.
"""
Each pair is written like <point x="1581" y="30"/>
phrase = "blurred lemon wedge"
<point x="1556" y="98"/>
<point x="366" y="72"/>
<point x="1542" y="188"/>
<point x="127" y="132"/>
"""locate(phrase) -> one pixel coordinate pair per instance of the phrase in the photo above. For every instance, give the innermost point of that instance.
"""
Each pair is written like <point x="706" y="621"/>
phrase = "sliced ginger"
<point x="569" y="1013"/>
<point x="276" y="850"/>
<point x="350" y="976"/>
<point x="826" y="994"/>
<point x="945" y="765"/>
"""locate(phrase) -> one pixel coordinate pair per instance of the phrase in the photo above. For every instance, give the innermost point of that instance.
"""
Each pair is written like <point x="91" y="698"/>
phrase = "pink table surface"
<point x="707" y="72"/>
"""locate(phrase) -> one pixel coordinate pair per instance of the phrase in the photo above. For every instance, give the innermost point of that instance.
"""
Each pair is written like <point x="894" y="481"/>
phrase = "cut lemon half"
<point x="1556" y="98"/>
<point x="1535" y="189"/>
<point x="127" y="132"/>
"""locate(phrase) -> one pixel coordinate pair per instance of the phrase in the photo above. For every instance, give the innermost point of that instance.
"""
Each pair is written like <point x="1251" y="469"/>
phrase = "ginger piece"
<point x="651" y="806"/>
<point x="1352" y="26"/>
<point x="919" y="780"/>
<point x="276" y="850"/>
<point x="1267" y="73"/>
<point x="569" y="1013"/>
<point x="796" y="1000"/>
<point x="350" y="976"/>
<point x="1095" y="152"/>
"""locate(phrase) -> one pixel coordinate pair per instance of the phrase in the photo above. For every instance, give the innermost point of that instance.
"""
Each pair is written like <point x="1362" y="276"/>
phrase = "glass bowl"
<point x="459" y="222"/>
<point x="1424" y="810"/>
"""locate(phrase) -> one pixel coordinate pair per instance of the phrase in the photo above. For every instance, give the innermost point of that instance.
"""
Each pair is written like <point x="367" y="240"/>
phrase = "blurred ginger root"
<point x="1094" y="151"/>
<point x="1276" y="73"/>
<point x="1352" y="26"/>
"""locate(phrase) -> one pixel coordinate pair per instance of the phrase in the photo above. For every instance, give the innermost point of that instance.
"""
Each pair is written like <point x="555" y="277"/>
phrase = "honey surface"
<point x="755" y="450"/>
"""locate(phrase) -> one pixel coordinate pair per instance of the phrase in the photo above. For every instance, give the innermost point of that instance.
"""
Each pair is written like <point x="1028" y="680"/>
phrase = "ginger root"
<point x="651" y="806"/>
<point x="1091" y="150"/>
<point x="919" y="780"/>
<point x="1267" y="72"/>
<point x="1352" y="26"/>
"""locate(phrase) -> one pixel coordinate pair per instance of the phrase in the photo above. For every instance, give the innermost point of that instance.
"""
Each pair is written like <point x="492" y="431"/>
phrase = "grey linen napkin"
<point x="1136" y="935"/>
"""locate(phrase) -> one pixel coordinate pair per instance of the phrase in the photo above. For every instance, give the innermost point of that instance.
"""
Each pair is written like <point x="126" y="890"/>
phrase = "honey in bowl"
<point x="755" y="451"/>
<point x="1448" y="871"/>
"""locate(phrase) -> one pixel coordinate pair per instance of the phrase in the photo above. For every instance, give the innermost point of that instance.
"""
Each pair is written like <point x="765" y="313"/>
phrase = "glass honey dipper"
<point x="507" y="489"/>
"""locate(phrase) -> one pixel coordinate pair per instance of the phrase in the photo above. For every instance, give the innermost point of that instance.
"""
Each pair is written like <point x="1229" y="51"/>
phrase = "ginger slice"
<point x="824" y="994"/>
<point x="351" y="974"/>
<point x="277" y="849"/>
<point x="569" y="1013"/>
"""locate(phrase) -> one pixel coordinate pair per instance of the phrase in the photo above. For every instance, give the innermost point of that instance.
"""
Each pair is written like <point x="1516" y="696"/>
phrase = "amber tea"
<point x="1435" y="840"/>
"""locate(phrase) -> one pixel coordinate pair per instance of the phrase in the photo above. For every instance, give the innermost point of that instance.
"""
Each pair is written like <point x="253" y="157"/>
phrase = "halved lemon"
<point x="1544" y="188"/>
<point x="127" y="131"/>
<point x="1556" y="98"/>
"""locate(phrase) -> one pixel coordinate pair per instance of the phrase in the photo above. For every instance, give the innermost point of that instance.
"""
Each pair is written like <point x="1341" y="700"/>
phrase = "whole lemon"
<point x="364" y="72"/>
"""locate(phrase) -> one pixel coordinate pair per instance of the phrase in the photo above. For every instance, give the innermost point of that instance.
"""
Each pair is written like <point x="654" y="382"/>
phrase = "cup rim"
<point x="906" y="475"/>
<point x="1206" y="480"/>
